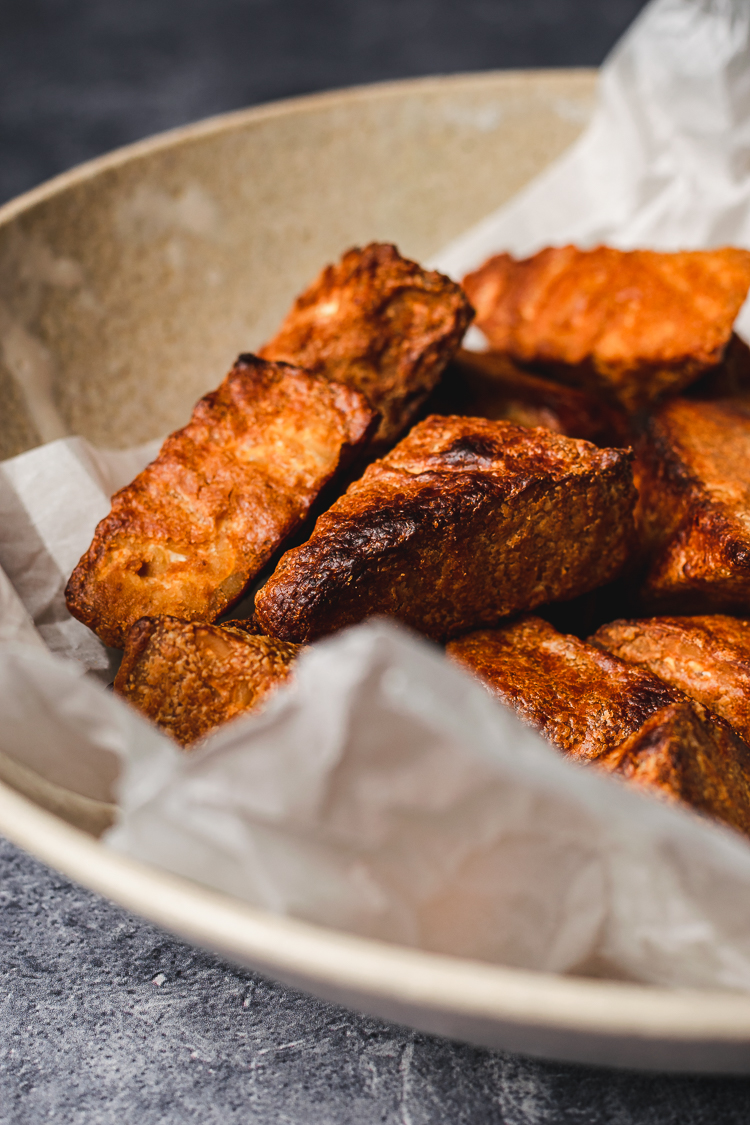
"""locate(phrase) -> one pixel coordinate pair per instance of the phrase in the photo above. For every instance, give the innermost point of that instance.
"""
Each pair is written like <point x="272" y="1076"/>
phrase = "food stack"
<point x="592" y="466"/>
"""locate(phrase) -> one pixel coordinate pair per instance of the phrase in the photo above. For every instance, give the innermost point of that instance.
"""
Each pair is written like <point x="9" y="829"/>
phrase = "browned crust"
<point x="694" y="465"/>
<point x="190" y="533"/>
<point x="616" y="716"/>
<point x="380" y="323"/>
<point x="631" y="325"/>
<point x="248" y="625"/>
<point x="685" y="754"/>
<point x="189" y="678"/>
<point x="583" y="699"/>
<point x="464" y="522"/>
<point x="496" y="387"/>
<point x="707" y="657"/>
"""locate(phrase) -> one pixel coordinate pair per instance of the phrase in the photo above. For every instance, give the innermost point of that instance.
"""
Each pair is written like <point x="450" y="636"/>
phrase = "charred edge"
<point x="137" y="640"/>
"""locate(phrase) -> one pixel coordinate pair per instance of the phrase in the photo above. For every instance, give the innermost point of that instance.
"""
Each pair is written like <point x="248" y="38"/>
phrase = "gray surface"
<point x="105" y="1019"/>
<point x="102" y="1018"/>
<point x="79" y="77"/>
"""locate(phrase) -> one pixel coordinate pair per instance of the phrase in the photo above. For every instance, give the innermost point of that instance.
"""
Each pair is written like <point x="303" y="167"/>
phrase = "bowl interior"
<point x="127" y="287"/>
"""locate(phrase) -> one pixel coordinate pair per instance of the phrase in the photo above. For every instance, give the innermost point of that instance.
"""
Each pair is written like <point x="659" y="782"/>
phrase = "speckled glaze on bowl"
<point x="127" y="287"/>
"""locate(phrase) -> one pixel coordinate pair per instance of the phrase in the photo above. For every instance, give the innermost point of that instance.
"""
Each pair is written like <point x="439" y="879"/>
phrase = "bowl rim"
<point x="305" y="951"/>
<point x="267" y="111"/>
<point x="300" y="950"/>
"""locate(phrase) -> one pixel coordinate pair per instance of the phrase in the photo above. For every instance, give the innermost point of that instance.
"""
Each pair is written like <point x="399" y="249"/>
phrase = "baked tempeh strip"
<point x="492" y="385"/>
<point x="621" y="718"/>
<point x="380" y="323"/>
<point x="706" y="657"/>
<point x="632" y="325"/>
<point x="189" y="534"/>
<point x="694" y="477"/>
<point x="464" y="522"/>
<point x="189" y="678"/>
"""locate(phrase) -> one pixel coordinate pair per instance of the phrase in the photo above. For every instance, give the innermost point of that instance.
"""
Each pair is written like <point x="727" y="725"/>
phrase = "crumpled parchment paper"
<point x="665" y="160"/>
<point x="384" y="791"/>
<point x="51" y="499"/>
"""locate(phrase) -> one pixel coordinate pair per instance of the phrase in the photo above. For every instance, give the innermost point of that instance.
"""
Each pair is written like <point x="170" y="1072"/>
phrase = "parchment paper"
<point x="387" y="793"/>
<point x="384" y="791"/>
<point x="665" y="161"/>
<point x="51" y="500"/>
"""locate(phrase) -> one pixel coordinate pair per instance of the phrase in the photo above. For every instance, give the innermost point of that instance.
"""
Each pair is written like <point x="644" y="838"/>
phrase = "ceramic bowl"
<point x="127" y="287"/>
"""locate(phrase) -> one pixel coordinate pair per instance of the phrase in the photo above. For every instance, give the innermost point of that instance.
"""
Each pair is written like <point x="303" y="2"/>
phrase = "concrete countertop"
<point x="105" y="1019"/>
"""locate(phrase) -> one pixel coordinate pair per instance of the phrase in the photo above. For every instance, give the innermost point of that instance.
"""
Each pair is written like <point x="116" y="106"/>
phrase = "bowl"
<point x="127" y="288"/>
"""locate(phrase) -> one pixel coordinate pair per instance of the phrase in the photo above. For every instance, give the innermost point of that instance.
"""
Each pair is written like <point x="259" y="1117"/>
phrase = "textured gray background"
<point x="103" y="1018"/>
<point x="78" y="77"/>
<point x="106" y="1020"/>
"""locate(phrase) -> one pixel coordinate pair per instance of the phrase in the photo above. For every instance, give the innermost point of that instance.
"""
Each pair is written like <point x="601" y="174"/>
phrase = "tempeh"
<point x="190" y="678"/>
<point x="706" y="657"/>
<point x="192" y="531"/>
<point x="464" y="522"/>
<point x="631" y="325"/>
<point x="380" y="323"/>
<point x="620" y="718"/>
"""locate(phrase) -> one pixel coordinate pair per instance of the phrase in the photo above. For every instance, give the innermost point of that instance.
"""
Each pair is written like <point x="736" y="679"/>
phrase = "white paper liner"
<point x="387" y="793"/>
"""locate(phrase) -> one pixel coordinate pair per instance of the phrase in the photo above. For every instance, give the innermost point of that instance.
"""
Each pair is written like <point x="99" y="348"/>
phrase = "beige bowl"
<point x="127" y="287"/>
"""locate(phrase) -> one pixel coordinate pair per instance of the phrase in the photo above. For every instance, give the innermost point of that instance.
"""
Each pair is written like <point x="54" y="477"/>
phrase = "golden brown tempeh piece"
<point x="380" y="323"/>
<point x="196" y="526"/>
<point x="495" y="387"/>
<point x="189" y="678"/>
<point x="618" y="717"/>
<point x="630" y="325"/>
<point x="464" y="522"/>
<point x="694" y="473"/>
<point x="706" y="657"/>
